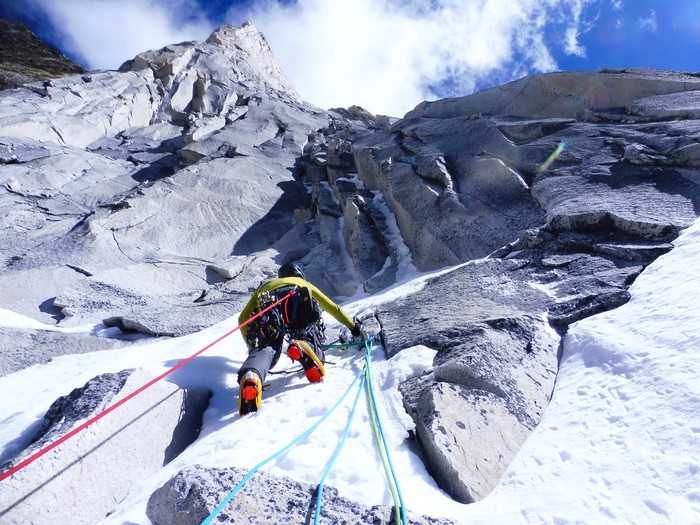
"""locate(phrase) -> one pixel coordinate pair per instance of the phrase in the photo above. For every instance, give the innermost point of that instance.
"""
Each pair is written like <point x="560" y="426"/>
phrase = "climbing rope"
<point x="365" y="377"/>
<point x="336" y="453"/>
<point x="119" y="403"/>
<point x="380" y="438"/>
<point x="281" y="451"/>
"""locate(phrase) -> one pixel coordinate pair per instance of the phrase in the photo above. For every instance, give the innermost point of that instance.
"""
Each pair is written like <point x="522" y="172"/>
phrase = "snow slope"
<point x="619" y="443"/>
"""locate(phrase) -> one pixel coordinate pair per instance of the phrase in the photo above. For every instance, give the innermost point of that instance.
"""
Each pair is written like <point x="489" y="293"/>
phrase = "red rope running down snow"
<point x="116" y="405"/>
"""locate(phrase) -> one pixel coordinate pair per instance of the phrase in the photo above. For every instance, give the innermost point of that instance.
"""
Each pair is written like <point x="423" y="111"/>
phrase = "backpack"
<point x="299" y="312"/>
<point x="300" y="309"/>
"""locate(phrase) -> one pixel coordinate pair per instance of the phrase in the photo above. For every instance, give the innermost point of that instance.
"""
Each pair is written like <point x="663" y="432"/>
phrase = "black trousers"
<point x="264" y="358"/>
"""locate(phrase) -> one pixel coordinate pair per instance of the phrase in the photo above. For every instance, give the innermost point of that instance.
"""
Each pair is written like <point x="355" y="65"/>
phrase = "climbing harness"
<point x="325" y="361"/>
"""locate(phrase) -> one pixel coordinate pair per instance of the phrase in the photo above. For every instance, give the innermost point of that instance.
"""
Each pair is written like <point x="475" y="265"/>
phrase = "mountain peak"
<point x="254" y="48"/>
<point x="236" y="57"/>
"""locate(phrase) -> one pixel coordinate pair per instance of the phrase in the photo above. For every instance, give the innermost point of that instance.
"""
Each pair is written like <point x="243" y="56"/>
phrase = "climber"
<point x="298" y="318"/>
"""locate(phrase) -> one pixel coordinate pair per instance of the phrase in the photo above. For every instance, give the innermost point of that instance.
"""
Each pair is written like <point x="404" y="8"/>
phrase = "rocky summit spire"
<point x="252" y="46"/>
<point x="198" y="85"/>
<point x="205" y="76"/>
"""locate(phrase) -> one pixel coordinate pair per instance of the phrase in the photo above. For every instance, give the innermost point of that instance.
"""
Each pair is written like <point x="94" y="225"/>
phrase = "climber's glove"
<point x="356" y="334"/>
<point x="359" y="332"/>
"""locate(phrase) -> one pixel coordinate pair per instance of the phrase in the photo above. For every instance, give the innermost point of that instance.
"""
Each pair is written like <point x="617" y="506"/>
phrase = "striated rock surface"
<point x="95" y="459"/>
<point x="152" y="169"/>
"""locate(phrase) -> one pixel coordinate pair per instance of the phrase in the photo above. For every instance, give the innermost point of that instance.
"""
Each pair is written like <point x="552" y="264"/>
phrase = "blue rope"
<point x="245" y="479"/>
<point x="366" y="379"/>
<point x="336" y="453"/>
<point x="383" y="444"/>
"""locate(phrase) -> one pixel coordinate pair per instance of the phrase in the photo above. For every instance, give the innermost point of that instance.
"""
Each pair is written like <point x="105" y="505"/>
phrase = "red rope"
<point x="119" y="403"/>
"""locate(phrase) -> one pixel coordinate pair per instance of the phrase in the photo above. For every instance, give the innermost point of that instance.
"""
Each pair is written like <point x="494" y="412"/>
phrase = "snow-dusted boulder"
<point x="191" y="495"/>
<point x="470" y="438"/>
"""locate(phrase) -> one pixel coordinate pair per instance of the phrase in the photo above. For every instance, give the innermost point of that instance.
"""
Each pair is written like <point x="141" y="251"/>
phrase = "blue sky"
<point x="388" y="55"/>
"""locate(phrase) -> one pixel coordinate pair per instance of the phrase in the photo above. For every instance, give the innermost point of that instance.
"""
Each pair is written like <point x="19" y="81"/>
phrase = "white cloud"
<point x="105" y="33"/>
<point x="573" y="46"/>
<point x="388" y="56"/>
<point x="649" y="23"/>
<point x="384" y="55"/>
<point x="579" y="26"/>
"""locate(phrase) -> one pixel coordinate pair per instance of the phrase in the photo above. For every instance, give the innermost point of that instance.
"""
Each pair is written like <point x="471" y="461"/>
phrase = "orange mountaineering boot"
<point x="250" y="396"/>
<point x="313" y="367"/>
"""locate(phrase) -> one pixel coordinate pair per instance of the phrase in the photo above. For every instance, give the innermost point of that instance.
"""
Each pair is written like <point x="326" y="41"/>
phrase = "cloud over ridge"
<point x="386" y="56"/>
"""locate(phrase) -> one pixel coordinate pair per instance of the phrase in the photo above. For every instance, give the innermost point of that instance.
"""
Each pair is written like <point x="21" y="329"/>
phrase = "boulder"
<point x="131" y="443"/>
<point x="469" y="437"/>
<point x="193" y="493"/>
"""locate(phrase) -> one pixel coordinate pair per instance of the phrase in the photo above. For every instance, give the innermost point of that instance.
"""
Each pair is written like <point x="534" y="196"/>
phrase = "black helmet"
<point x="290" y="270"/>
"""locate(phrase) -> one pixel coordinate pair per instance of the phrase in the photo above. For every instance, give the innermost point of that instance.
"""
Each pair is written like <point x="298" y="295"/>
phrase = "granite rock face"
<point x="152" y="200"/>
<point x="466" y="176"/>
<point x="589" y="191"/>
<point x="94" y="460"/>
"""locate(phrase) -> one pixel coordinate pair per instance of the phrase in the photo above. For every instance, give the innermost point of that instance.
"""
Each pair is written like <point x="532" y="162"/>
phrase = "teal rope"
<point x="257" y="467"/>
<point x="383" y="445"/>
<point x="384" y="449"/>
<point x="336" y="453"/>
